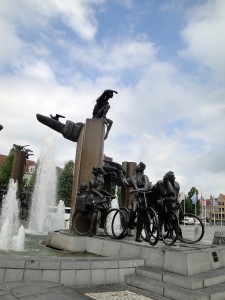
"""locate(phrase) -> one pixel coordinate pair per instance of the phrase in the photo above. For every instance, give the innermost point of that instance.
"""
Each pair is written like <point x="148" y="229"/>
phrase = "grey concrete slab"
<point x="189" y="282"/>
<point x="212" y="278"/>
<point x="154" y="257"/>
<point x="32" y="264"/>
<point x="55" y="240"/>
<point x="23" y="290"/>
<point x="50" y="264"/>
<point x="74" y="245"/>
<point x="131" y="263"/>
<point x="98" y="277"/>
<point x="82" y="277"/>
<point x="2" y="275"/>
<point x="178" y="293"/>
<point x="216" y="292"/>
<point x="94" y="245"/>
<point x="32" y="275"/>
<point x="125" y="272"/>
<point x="67" y="277"/>
<point x="112" y="276"/>
<point x="14" y="262"/>
<point x="51" y="275"/>
<point x="147" y="284"/>
<point x="74" y="264"/>
<point x="110" y="249"/>
<point x="104" y="264"/>
<point x="129" y="250"/>
<point x="13" y="275"/>
<point x="70" y="293"/>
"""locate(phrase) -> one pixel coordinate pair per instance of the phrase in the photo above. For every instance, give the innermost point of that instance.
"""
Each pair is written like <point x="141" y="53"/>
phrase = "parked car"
<point x="189" y="221"/>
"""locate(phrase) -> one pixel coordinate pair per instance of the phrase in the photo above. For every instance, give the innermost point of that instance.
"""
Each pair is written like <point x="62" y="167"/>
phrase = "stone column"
<point x="19" y="161"/>
<point x="89" y="153"/>
<point x="127" y="198"/>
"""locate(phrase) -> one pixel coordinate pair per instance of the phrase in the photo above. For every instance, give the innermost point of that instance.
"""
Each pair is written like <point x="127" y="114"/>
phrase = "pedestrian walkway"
<point x="45" y="290"/>
<point x="24" y="290"/>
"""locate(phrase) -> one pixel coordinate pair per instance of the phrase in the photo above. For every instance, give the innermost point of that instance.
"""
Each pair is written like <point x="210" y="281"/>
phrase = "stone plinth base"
<point x="219" y="238"/>
<point x="180" y="260"/>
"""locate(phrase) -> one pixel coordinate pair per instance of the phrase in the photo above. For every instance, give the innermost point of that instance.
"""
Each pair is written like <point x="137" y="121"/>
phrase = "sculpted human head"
<point x="169" y="176"/>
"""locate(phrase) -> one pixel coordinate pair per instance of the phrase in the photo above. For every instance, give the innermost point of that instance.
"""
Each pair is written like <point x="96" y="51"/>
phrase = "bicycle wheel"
<point x="169" y="228"/>
<point x="151" y="227"/>
<point x="115" y="223"/>
<point x="191" y="229"/>
<point x="80" y="227"/>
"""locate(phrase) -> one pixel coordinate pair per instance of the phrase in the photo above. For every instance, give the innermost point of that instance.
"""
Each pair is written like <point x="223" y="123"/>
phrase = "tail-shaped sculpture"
<point x="70" y="130"/>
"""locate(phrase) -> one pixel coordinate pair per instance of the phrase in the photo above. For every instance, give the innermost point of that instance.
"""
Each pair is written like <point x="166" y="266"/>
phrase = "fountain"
<point x="12" y="235"/>
<point x="45" y="185"/>
<point x="59" y="222"/>
<point x="114" y="204"/>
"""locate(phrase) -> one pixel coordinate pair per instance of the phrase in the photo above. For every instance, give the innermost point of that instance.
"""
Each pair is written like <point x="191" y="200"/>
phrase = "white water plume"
<point x="59" y="222"/>
<point x="45" y="185"/>
<point x="11" y="236"/>
<point x="117" y="223"/>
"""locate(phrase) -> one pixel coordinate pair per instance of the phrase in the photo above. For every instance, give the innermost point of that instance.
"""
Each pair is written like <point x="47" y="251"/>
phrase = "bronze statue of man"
<point x="97" y="195"/>
<point x="166" y="189"/>
<point x="140" y="180"/>
<point x="101" y="108"/>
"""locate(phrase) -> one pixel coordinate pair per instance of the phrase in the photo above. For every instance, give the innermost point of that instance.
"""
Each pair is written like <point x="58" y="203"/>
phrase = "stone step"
<point x="187" y="282"/>
<point x="193" y="282"/>
<point x="216" y="292"/>
<point x="148" y="294"/>
<point x="165" y="290"/>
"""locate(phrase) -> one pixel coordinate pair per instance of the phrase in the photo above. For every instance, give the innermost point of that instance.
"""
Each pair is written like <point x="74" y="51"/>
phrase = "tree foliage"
<point x="65" y="183"/>
<point x="6" y="170"/>
<point x="189" y="206"/>
<point x="31" y="183"/>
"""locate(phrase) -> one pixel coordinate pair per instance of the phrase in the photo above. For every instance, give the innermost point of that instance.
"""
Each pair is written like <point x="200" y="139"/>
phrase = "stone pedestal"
<point x="219" y="238"/>
<point x="89" y="153"/>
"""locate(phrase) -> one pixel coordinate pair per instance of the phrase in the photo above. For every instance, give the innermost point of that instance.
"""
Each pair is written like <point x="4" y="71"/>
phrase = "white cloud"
<point x="77" y="15"/>
<point x="38" y="70"/>
<point x="204" y="34"/>
<point x="163" y="116"/>
<point x="11" y="45"/>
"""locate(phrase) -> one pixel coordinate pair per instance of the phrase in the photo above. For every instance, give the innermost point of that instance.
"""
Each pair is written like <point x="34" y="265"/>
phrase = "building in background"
<point x="218" y="210"/>
<point x="29" y="167"/>
<point x="205" y="209"/>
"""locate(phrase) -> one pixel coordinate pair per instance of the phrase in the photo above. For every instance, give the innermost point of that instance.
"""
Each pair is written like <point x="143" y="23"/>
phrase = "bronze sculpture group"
<point x="94" y="197"/>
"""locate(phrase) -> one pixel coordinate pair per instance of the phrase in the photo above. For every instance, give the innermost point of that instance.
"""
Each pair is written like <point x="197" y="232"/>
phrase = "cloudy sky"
<point x="165" y="59"/>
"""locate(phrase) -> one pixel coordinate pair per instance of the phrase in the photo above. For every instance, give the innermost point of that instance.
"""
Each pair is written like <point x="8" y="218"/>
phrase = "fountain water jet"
<point x="114" y="204"/>
<point x="45" y="185"/>
<point x="11" y="236"/>
<point x="59" y="221"/>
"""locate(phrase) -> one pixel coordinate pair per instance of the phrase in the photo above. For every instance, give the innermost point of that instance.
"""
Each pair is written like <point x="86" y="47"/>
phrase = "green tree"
<point x="65" y="183"/>
<point x="191" y="206"/>
<point x="6" y="170"/>
<point x="31" y="183"/>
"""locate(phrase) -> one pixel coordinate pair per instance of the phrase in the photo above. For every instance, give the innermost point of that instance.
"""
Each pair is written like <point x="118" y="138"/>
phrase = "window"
<point x="31" y="169"/>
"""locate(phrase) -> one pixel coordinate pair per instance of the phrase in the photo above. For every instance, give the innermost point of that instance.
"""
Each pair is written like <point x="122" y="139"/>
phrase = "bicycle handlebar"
<point x="141" y="191"/>
<point x="103" y="200"/>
